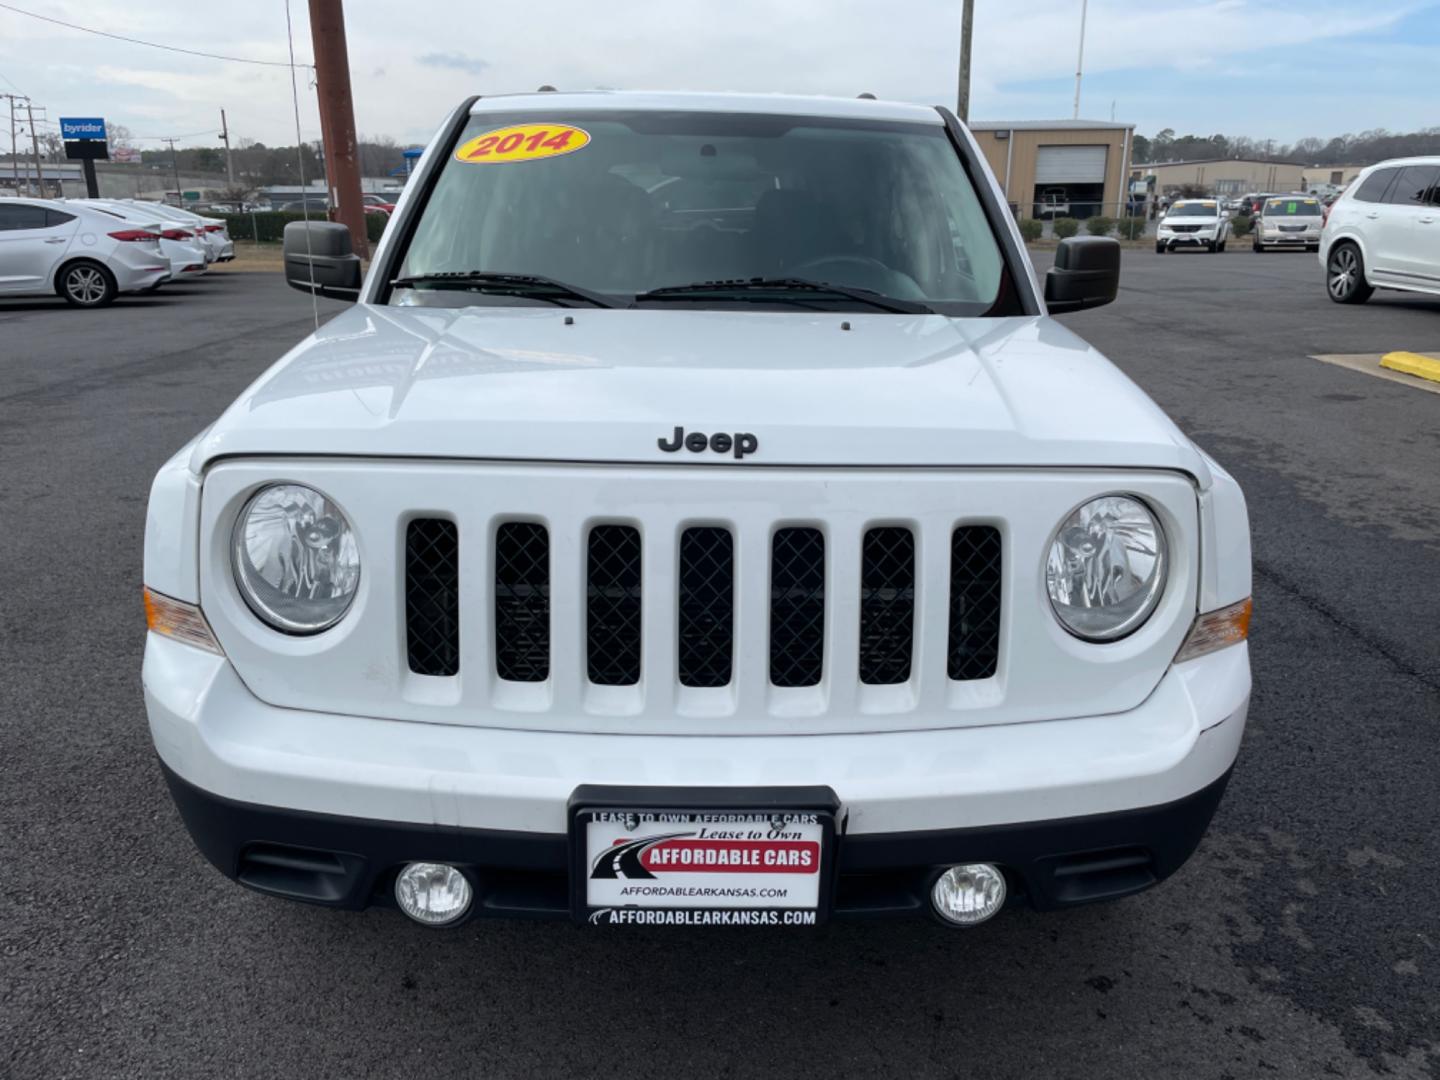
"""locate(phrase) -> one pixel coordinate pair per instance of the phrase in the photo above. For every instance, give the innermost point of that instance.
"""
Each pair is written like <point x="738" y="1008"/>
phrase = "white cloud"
<point x="434" y="52"/>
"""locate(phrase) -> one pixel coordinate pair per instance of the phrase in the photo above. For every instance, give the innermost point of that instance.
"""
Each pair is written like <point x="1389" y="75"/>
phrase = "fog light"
<point x="968" y="895"/>
<point x="432" y="893"/>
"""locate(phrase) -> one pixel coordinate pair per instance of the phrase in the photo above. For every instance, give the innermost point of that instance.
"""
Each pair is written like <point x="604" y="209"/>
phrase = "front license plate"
<point x="711" y="867"/>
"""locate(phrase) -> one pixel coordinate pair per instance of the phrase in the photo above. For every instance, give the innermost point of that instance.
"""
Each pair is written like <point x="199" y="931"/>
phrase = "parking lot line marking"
<point x="1424" y="367"/>
<point x="1369" y="364"/>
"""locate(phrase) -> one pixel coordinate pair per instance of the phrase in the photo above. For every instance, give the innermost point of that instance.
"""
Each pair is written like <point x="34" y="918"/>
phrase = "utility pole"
<point x="337" y="119"/>
<point x="229" y="162"/>
<point x="14" y="155"/>
<point x="35" y="145"/>
<point x="967" y="22"/>
<point x="175" y="168"/>
<point x="1080" y="61"/>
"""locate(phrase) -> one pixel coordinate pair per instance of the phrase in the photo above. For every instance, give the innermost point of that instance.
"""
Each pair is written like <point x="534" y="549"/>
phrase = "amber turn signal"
<point x="1214" y="630"/>
<point x="179" y="620"/>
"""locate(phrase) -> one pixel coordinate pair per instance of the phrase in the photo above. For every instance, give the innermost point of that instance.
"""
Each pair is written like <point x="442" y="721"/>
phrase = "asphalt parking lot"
<point x="1303" y="940"/>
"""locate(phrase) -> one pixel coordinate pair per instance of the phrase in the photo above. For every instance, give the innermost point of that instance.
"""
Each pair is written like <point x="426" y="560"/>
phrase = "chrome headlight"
<point x="1106" y="568"/>
<point x="295" y="557"/>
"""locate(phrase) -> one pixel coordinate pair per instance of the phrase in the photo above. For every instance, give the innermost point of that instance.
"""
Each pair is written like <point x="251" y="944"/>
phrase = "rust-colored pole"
<point x="337" y="119"/>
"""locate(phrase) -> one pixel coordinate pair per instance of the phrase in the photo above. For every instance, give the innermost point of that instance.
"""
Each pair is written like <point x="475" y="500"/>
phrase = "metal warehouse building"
<point x="1059" y="168"/>
<point x="1224" y="176"/>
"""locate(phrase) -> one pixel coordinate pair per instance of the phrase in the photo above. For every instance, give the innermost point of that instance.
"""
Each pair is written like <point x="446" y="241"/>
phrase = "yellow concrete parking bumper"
<point x="1425" y="367"/>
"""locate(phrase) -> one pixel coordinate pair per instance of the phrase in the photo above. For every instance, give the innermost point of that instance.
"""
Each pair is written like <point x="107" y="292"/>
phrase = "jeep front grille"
<point x="705" y="604"/>
<point x="728" y="601"/>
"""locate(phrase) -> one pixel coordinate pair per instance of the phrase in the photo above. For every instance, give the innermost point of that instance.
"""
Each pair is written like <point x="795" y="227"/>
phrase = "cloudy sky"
<point x="1278" y="69"/>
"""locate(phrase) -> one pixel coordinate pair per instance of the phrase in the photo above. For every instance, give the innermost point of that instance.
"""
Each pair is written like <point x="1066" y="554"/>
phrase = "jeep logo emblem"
<point x="697" y="442"/>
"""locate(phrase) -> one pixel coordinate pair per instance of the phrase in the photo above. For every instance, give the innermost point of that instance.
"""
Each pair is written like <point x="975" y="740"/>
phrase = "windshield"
<point x="1194" y="209"/>
<point x="621" y="203"/>
<point x="1292" y="208"/>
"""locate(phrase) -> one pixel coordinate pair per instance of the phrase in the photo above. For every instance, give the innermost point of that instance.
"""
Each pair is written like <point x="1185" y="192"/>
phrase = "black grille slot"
<point x="612" y="606"/>
<point x="432" y="596"/>
<point x="707" y="606"/>
<point x="299" y="873"/>
<point x="887" y="605"/>
<point x="797" y="607"/>
<point x="974" y="602"/>
<point x="522" y="602"/>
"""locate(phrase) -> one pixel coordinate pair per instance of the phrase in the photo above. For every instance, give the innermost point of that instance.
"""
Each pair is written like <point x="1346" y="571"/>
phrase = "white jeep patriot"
<point x="699" y="519"/>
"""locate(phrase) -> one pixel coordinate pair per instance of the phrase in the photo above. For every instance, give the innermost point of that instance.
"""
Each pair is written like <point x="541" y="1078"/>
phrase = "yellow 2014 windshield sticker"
<point x="522" y="142"/>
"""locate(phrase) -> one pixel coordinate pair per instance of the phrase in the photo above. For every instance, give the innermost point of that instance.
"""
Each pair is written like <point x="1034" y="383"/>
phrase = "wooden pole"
<point x="337" y="119"/>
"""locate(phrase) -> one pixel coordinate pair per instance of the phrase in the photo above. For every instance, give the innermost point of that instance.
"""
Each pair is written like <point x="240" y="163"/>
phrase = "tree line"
<point x="258" y="165"/>
<point x="1366" y="148"/>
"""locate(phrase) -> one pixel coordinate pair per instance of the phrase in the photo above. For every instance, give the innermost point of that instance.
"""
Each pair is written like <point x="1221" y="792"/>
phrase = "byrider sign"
<point x="90" y="127"/>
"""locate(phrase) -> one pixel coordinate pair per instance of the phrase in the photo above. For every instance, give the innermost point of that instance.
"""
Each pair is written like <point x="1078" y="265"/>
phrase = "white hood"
<point x="520" y="384"/>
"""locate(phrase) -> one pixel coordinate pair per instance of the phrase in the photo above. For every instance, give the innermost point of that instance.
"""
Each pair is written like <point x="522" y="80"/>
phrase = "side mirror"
<point x="1086" y="274"/>
<point x="319" y="259"/>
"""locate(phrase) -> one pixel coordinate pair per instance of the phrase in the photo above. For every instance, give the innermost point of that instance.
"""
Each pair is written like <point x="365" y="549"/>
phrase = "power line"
<point x="150" y="44"/>
<point x="167" y="138"/>
<point x="12" y="85"/>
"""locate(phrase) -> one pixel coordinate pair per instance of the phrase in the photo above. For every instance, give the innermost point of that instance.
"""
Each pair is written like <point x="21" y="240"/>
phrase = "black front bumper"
<point x="352" y="862"/>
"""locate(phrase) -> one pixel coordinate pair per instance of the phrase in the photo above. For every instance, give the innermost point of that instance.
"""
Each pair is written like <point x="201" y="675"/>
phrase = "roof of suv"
<point x="1424" y="159"/>
<point x="774" y="104"/>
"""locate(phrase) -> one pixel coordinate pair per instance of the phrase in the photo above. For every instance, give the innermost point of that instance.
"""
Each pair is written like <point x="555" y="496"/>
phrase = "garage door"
<point x="1070" y="165"/>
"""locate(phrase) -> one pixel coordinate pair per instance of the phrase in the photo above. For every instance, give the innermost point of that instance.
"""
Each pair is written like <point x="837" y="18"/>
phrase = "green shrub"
<point x="1031" y="228"/>
<point x="268" y="226"/>
<point x="1131" y="228"/>
<point x="263" y="225"/>
<point x="1241" y="226"/>
<point x="1099" y="225"/>
<point x="1064" y="226"/>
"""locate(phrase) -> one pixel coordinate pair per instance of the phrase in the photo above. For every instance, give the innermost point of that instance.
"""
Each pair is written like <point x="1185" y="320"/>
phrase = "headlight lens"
<point x="296" y="560"/>
<point x="1106" y="568"/>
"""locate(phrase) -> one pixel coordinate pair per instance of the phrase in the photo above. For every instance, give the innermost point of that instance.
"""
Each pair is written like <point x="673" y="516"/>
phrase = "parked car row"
<point x="320" y="204"/>
<point x="89" y="251"/>
<point x="1381" y="232"/>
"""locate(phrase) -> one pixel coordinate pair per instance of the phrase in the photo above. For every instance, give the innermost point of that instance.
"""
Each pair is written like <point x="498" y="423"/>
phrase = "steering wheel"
<point x="811" y="267"/>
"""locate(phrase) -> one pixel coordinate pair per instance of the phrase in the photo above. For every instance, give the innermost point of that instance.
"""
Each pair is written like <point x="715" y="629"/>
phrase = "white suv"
<point x="699" y="519"/>
<point x="1383" y="232"/>
<point x="1193" y="223"/>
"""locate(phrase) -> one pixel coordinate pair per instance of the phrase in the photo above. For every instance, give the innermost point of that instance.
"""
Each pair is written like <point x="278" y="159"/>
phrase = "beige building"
<point x="1224" y="176"/>
<point x="1058" y="168"/>
<point x="1328" y="175"/>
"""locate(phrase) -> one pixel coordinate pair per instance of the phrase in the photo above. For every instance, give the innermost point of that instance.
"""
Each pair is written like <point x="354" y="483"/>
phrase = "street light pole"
<point x="1080" y="61"/>
<point x="967" y="22"/>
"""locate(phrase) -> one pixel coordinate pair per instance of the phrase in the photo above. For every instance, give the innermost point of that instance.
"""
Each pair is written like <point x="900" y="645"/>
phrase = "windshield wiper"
<point x="529" y="285"/>
<point x="783" y="285"/>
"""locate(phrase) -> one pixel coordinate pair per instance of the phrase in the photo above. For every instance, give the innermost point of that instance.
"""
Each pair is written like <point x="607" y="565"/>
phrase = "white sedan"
<point x="85" y="256"/>
<point x="186" y="250"/>
<point x="213" y="231"/>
